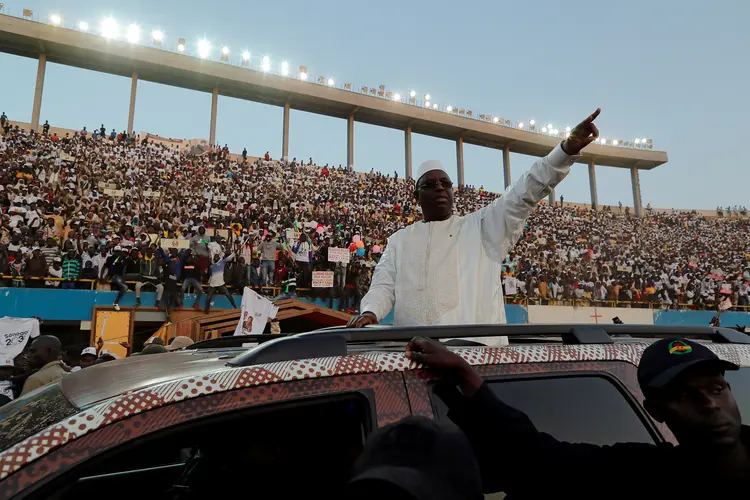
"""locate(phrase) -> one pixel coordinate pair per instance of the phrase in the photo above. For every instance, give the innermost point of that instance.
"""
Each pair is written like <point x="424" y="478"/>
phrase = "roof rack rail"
<point x="294" y="347"/>
<point x="330" y="342"/>
<point x="234" y="341"/>
<point x="570" y="333"/>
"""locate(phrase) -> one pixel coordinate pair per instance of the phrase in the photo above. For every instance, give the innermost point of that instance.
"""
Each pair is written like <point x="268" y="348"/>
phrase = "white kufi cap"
<point x="429" y="166"/>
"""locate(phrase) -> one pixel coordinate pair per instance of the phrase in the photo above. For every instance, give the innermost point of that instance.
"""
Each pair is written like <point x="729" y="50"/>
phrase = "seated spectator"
<point x="54" y="271"/>
<point x="254" y="272"/>
<point x="149" y="275"/>
<point x="71" y="267"/>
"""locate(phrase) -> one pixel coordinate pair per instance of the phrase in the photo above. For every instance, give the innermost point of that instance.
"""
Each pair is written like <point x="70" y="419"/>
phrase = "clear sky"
<point x="675" y="71"/>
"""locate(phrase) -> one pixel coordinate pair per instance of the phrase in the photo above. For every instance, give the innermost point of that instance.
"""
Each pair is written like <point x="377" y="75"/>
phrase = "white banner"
<point x="107" y="185"/>
<point x="338" y="255"/>
<point x="540" y="315"/>
<point x="14" y="334"/>
<point x="179" y="244"/>
<point x="322" y="279"/>
<point x="223" y="233"/>
<point x="223" y="213"/>
<point x="115" y="193"/>
<point x="256" y="311"/>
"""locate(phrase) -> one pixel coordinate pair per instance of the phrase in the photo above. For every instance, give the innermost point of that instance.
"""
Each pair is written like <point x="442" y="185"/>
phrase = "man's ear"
<point x="654" y="409"/>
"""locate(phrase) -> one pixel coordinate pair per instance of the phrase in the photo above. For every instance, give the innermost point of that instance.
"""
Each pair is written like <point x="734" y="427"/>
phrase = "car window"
<point x="576" y="409"/>
<point x="297" y="447"/>
<point x="30" y="414"/>
<point x="740" y="383"/>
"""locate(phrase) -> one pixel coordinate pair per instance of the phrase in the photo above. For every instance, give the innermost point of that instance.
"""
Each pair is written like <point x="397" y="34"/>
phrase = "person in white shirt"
<point x="446" y="270"/>
<point x="216" y="281"/>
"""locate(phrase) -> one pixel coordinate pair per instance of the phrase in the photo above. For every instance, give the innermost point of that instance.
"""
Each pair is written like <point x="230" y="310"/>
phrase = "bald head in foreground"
<point x="44" y="356"/>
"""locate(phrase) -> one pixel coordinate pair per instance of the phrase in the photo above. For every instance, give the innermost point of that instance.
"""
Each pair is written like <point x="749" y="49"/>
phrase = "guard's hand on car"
<point x="362" y="320"/>
<point x="433" y="354"/>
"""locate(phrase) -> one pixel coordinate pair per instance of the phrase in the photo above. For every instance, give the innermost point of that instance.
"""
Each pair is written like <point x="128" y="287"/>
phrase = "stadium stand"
<point x="71" y="199"/>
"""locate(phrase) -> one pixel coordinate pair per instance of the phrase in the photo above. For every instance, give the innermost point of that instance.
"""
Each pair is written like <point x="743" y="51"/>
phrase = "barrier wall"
<point x="76" y="305"/>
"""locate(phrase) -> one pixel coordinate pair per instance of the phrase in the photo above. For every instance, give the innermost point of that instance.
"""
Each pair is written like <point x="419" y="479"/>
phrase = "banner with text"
<point x="338" y="255"/>
<point x="322" y="279"/>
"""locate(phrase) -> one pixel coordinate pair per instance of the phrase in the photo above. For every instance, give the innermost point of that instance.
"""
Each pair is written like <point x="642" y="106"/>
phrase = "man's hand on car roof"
<point x="434" y="355"/>
<point x="362" y="320"/>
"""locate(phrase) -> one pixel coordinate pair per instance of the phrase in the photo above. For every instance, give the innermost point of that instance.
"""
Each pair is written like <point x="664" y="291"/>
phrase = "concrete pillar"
<point x="506" y="166"/>
<point x="592" y="185"/>
<point x="460" y="160"/>
<point x="350" y="142"/>
<point x="285" y="140"/>
<point x="407" y="152"/>
<point x="637" y="209"/>
<point x="38" y="91"/>
<point x="214" y="105"/>
<point x="551" y="197"/>
<point x="133" y="89"/>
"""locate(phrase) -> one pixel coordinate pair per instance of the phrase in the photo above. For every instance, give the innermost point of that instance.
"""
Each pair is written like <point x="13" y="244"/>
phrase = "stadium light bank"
<point x="110" y="29"/>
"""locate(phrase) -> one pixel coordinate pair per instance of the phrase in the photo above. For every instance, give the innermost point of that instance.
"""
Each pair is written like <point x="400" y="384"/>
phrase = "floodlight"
<point x="520" y="125"/>
<point x="449" y="108"/>
<point x="427" y="97"/>
<point x="225" y="50"/>
<point x="412" y="93"/>
<point x="134" y="33"/>
<point x="544" y="130"/>
<point x="397" y="97"/>
<point x="157" y="37"/>
<point x="303" y="76"/>
<point x="496" y="119"/>
<point x="331" y="82"/>
<point x="434" y="106"/>
<point x="532" y="122"/>
<point x="204" y="48"/>
<point x="266" y="64"/>
<point x="83" y="26"/>
<point x="284" y="68"/>
<point x="614" y="142"/>
<point x="55" y="19"/>
<point x="110" y="28"/>
<point x="637" y="141"/>
<point x="567" y="129"/>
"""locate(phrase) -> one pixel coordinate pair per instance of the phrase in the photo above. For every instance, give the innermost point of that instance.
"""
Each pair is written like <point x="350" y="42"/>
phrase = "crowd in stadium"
<point x="109" y="208"/>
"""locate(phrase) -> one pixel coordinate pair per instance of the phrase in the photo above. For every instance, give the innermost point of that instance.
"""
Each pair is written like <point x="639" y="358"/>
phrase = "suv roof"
<point x="104" y="394"/>
<point x="108" y="380"/>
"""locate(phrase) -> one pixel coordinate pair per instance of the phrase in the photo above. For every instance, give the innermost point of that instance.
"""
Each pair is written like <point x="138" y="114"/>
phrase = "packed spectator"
<point x="141" y="214"/>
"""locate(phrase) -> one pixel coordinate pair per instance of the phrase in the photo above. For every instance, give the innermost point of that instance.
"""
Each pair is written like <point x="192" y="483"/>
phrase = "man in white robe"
<point x="446" y="269"/>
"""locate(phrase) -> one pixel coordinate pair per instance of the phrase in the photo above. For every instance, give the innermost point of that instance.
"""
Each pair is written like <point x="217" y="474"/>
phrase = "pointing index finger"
<point x="593" y="115"/>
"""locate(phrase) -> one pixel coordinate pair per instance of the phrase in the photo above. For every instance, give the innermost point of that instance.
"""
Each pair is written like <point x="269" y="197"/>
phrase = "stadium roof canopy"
<point x="84" y="50"/>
